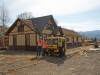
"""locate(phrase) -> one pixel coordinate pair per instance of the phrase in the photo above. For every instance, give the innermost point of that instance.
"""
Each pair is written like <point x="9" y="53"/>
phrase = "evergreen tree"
<point x="95" y="39"/>
<point x="92" y="40"/>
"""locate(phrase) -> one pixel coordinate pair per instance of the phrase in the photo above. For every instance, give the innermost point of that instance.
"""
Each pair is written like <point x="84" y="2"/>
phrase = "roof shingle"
<point x="56" y="30"/>
<point x="40" y="22"/>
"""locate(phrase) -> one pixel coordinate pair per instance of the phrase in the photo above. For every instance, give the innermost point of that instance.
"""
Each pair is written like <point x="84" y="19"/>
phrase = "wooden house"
<point x="23" y="34"/>
<point x="73" y="39"/>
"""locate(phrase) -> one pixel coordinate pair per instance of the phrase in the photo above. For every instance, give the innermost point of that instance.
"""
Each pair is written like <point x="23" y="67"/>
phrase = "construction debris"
<point x="81" y="51"/>
<point x="94" y="49"/>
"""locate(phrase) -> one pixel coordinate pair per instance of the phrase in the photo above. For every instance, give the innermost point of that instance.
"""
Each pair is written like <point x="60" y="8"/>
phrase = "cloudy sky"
<point x="78" y="15"/>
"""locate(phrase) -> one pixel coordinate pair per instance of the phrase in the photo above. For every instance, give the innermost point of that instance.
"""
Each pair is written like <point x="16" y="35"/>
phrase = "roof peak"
<point x="39" y="17"/>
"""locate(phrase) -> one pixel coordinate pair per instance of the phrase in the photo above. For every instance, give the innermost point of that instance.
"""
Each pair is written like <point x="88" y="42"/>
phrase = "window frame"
<point x="49" y="26"/>
<point x="27" y="39"/>
<point x="67" y="39"/>
<point x="45" y="35"/>
<point x="76" y="39"/>
<point x="14" y="39"/>
<point x="73" y="40"/>
<point x="21" y="28"/>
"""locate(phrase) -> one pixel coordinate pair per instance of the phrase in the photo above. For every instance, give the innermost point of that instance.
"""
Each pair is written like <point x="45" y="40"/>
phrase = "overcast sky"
<point x="78" y="15"/>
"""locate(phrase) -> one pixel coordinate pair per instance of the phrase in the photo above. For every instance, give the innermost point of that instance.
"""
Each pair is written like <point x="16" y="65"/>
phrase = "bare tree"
<point x="4" y="19"/>
<point x="25" y="15"/>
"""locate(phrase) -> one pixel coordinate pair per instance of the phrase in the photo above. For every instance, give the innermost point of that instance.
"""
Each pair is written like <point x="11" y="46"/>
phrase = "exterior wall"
<point x="75" y="44"/>
<point x="79" y="39"/>
<point x="75" y="39"/>
<point x="14" y="30"/>
<point x="26" y="30"/>
<point x="70" y="39"/>
<point x="21" y="40"/>
<point x="46" y="31"/>
<point x="32" y="39"/>
<point x="37" y="37"/>
<point x="10" y="40"/>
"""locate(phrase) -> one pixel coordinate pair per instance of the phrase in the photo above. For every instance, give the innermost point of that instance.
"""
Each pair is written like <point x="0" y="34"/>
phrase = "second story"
<point x="40" y="25"/>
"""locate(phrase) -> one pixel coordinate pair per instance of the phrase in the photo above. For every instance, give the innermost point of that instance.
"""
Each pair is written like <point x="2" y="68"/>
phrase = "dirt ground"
<point x="74" y="63"/>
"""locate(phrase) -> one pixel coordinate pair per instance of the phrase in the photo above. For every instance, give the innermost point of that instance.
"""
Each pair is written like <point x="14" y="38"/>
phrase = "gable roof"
<point x="68" y="32"/>
<point x="40" y="22"/>
<point x="36" y="24"/>
<point x="56" y="30"/>
<point x="27" y="22"/>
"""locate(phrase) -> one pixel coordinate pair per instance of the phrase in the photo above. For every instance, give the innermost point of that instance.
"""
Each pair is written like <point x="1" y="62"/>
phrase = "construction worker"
<point x="39" y="47"/>
<point x="44" y="47"/>
<point x="60" y="46"/>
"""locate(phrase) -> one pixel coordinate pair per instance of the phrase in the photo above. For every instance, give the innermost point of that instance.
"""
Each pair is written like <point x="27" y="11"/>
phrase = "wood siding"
<point x="47" y="31"/>
<point x="80" y="39"/>
<point x="14" y="30"/>
<point x="32" y="39"/>
<point x="75" y="39"/>
<point x="21" y="39"/>
<point x="26" y="31"/>
<point x="10" y="40"/>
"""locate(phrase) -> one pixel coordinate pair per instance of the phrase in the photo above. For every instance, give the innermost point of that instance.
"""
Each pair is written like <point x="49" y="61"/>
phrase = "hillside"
<point x="91" y="34"/>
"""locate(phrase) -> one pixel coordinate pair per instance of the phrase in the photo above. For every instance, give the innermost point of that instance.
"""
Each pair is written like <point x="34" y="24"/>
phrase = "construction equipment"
<point x="52" y="45"/>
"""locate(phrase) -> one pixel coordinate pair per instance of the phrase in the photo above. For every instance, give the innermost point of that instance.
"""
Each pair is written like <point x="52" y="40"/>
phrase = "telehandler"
<point x="52" y="45"/>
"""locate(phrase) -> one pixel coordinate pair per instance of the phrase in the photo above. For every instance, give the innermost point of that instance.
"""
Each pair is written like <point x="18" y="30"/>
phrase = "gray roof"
<point x="56" y="30"/>
<point x="36" y="24"/>
<point x="40" y="22"/>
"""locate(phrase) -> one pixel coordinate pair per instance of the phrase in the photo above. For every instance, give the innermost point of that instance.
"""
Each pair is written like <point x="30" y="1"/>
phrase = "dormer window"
<point x="49" y="27"/>
<point x="21" y="28"/>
